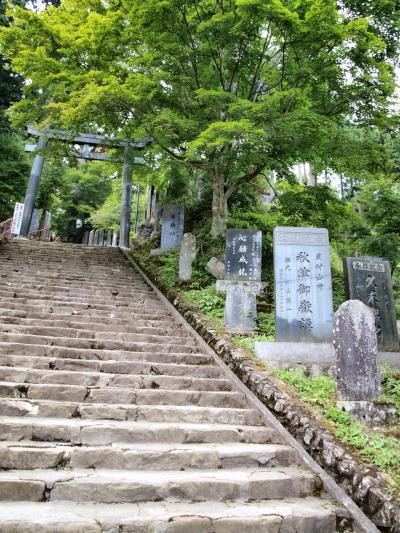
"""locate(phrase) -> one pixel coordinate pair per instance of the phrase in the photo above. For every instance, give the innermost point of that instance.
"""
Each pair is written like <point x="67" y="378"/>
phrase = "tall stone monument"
<point x="172" y="226"/>
<point x="242" y="279"/>
<point x="303" y="285"/>
<point x="368" y="279"/>
<point x="34" y="225"/>
<point x="91" y="237"/>
<point x="188" y="253"/>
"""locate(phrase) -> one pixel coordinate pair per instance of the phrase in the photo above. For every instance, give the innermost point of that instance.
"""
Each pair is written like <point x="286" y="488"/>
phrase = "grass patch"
<point x="371" y="444"/>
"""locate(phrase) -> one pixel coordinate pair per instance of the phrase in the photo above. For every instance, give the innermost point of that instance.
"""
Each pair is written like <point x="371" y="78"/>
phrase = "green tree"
<point x="14" y="172"/>
<point x="81" y="191"/>
<point x="228" y="87"/>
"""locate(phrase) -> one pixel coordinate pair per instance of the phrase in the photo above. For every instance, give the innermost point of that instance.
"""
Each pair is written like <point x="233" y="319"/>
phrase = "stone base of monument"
<point x="240" y="304"/>
<point x="372" y="412"/>
<point x="313" y="358"/>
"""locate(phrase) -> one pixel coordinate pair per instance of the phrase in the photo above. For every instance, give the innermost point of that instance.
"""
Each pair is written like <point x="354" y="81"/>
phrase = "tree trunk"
<point x="219" y="207"/>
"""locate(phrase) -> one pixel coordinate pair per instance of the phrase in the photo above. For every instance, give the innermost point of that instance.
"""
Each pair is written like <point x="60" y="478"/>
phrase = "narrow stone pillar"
<point x="31" y="191"/>
<point x="126" y="200"/>
<point x="91" y="237"/>
<point x="109" y="238"/>
<point x="114" y="239"/>
<point x="188" y="253"/>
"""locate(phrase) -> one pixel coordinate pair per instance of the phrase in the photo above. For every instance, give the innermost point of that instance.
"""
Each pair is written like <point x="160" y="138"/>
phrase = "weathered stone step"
<point x="148" y="456"/>
<point x="107" y="432"/>
<point x="126" y="486"/>
<point x="169" y="328"/>
<point x="142" y="298"/>
<point x="112" y="367"/>
<point x="116" y="411"/>
<point x="87" y="315"/>
<point x="105" y="355"/>
<point x="78" y="294"/>
<point x="103" y="379"/>
<point x="144" y="343"/>
<point x="305" y="515"/>
<point x="72" y="307"/>
<point x="120" y="394"/>
<point x="45" y="331"/>
<point x="19" y="280"/>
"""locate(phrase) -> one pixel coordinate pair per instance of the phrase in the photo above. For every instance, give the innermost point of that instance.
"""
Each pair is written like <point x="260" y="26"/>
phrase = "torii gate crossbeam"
<point x="84" y="140"/>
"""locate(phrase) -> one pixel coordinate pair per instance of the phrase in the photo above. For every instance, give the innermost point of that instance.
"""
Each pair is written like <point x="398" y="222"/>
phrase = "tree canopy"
<point x="227" y="87"/>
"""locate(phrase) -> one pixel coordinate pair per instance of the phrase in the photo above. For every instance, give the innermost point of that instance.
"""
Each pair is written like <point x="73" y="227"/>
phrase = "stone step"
<point x="45" y="331"/>
<point x="88" y="316"/>
<point x="141" y="299"/>
<point x="103" y="379"/>
<point x="105" y="433"/>
<point x="115" y="355"/>
<point x="143" y="344"/>
<point x="112" y="367"/>
<point x="120" y="394"/>
<point x="19" y="280"/>
<point x="92" y="294"/>
<point x="148" y="456"/>
<point x="297" y="515"/>
<point x="73" y="307"/>
<point x="169" y="328"/>
<point x="128" y="486"/>
<point x="120" y="411"/>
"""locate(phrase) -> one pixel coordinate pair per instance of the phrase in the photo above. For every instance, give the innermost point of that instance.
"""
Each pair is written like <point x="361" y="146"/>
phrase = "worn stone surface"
<point x="216" y="267"/>
<point x="240" y="304"/>
<point x="172" y="226"/>
<point x="91" y="237"/>
<point x="369" y="280"/>
<point x="186" y="256"/>
<point x="107" y="401"/>
<point x="355" y="342"/>
<point x="303" y="285"/>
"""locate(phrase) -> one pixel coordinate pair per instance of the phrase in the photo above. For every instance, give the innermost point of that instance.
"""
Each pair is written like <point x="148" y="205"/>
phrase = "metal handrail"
<point x="5" y="230"/>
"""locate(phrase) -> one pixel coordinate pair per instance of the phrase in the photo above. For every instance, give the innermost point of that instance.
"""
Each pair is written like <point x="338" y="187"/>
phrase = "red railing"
<point x="5" y="230"/>
<point x="43" y="234"/>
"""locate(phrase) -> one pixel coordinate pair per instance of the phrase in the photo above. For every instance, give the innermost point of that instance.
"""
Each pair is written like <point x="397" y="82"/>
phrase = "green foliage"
<point x="317" y="391"/>
<point x="14" y="173"/>
<point x="209" y="301"/>
<point x="81" y="190"/>
<point x="226" y="89"/>
<point x="381" y="449"/>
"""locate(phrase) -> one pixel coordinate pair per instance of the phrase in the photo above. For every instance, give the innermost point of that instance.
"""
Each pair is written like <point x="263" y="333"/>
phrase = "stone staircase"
<point x="112" y="419"/>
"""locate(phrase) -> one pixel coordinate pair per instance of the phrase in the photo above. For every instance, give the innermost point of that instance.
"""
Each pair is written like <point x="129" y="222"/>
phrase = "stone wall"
<point x="362" y="482"/>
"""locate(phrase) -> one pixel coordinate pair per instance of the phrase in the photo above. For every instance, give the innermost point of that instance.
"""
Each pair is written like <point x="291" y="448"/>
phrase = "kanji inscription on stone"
<point x="243" y="255"/>
<point x="369" y="279"/>
<point x="303" y="285"/>
<point x="172" y="226"/>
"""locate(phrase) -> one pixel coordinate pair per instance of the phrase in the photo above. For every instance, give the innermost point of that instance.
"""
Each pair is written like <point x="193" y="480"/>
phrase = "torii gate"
<point x="87" y="143"/>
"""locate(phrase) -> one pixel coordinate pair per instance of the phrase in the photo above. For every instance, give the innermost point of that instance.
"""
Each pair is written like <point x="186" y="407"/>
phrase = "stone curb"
<point x="363" y="483"/>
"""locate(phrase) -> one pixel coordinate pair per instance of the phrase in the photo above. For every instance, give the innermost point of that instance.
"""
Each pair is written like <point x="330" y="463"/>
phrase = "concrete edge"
<point x="330" y="485"/>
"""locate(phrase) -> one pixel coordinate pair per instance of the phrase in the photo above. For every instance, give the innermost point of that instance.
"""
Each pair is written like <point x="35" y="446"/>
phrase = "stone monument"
<point x="91" y="237"/>
<point x="109" y="238"/>
<point x="114" y="239"/>
<point x="96" y="239"/>
<point x="188" y="253"/>
<point x="303" y="285"/>
<point x="358" y="378"/>
<point x="34" y="225"/>
<point x="368" y="279"/>
<point x="242" y="279"/>
<point x="172" y="226"/>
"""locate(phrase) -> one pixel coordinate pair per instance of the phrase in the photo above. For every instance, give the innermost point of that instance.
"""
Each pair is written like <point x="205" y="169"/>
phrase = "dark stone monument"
<point x="85" y="238"/>
<point x="34" y="225"/>
<point x="242" y="279"/>
<point x="368" y="279"/>
<point x="303" y="285"/>
<point x="172" y="226"/>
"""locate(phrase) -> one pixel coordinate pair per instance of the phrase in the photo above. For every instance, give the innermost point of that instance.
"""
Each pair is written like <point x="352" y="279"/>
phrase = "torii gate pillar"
<point x="126" y="200"/>
<point x="31" y="191"/>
